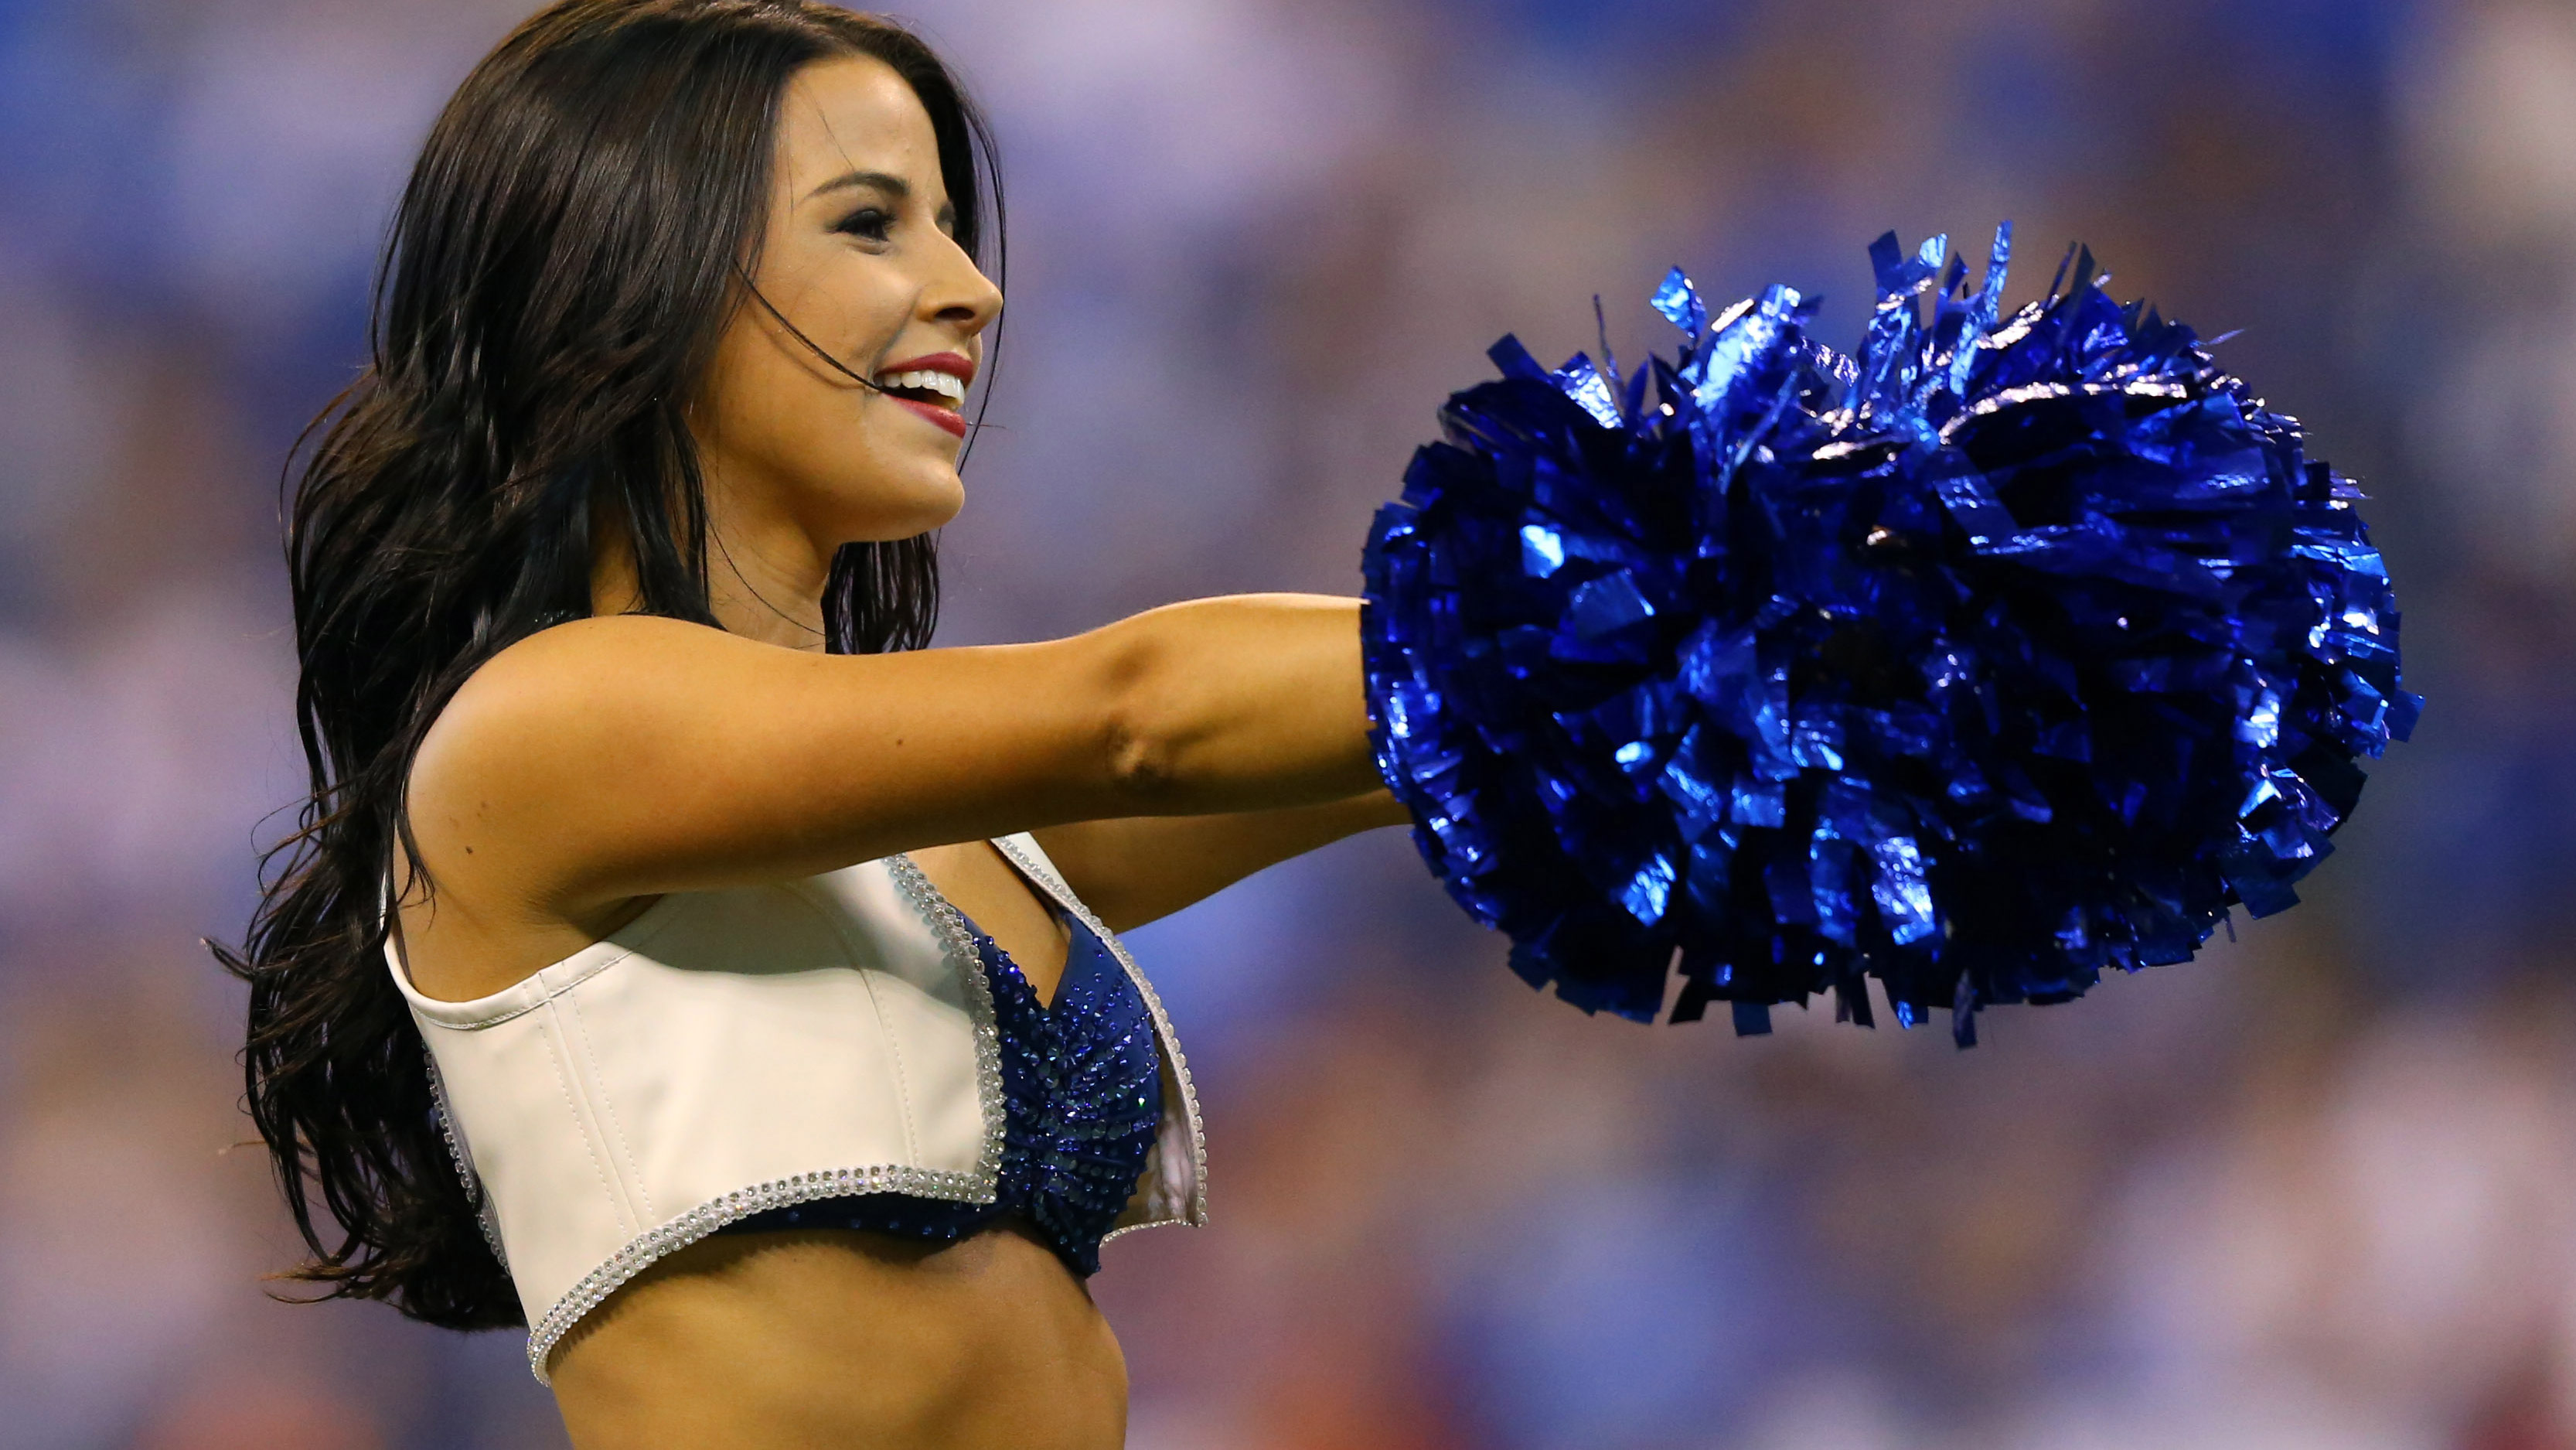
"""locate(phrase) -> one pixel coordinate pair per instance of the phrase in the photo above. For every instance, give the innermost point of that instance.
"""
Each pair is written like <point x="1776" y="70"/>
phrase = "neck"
<point x="767" y="584"/>
<point x="763" y="582"/>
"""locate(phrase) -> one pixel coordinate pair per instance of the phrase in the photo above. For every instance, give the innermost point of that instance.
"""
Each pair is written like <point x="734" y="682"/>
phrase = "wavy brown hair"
<point x="571" y="245"/>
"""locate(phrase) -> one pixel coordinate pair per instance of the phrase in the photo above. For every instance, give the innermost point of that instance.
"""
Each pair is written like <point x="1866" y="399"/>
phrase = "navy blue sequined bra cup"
<point x="1083" y="1093"/>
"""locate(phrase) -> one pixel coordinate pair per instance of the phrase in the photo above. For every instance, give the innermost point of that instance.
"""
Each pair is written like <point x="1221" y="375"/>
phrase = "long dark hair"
<point x="571" y="245"/>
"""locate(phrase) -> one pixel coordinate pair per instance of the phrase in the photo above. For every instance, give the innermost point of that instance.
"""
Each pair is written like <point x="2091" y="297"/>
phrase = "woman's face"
<point x="859" y="257"/>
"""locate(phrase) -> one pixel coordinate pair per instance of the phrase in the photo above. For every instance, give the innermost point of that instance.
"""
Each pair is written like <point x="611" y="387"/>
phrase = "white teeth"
<point x="946" y="385"/>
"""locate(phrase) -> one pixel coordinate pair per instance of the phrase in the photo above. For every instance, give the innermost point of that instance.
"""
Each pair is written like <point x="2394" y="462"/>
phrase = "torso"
<point x="841" y="1338"/>
<point x="823" y="1337"/>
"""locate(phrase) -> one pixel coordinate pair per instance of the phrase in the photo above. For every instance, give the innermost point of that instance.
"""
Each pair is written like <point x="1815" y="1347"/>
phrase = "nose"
<point x="961" y="296"/>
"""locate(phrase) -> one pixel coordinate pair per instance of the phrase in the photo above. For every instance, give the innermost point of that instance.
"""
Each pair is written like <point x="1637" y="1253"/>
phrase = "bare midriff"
<point x="836" y="1337"/>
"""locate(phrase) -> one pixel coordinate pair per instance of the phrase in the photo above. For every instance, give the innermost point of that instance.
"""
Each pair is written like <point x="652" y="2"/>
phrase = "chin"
<point x="919" y="506"/>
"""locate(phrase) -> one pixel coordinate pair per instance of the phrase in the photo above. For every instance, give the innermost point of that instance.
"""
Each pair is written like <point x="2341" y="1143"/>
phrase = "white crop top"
<point x="732" y="1051"/>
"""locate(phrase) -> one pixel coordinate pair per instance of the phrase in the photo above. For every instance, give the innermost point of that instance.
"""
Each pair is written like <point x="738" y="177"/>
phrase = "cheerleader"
<point x="675" y="957"/>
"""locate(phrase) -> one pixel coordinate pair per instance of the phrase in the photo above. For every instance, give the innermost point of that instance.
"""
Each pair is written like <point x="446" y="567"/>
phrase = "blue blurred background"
<point x="2316" y="1190"/>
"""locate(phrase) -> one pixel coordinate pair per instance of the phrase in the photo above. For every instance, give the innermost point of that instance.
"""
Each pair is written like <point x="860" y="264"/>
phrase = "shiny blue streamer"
<point x="2012" y="649"/>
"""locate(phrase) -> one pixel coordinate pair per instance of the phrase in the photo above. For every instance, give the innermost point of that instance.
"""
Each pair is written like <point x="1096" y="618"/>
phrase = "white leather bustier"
<point x="733" y="1051"/>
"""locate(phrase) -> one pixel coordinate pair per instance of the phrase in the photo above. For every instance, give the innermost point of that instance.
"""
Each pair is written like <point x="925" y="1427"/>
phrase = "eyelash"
<point x="867" y="223"/>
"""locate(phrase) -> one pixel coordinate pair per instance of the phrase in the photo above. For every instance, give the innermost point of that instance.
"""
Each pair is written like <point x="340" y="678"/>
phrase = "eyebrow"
<point x="894" y="186"/>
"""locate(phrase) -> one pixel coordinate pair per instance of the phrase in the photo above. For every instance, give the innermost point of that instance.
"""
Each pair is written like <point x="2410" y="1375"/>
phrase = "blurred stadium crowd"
<point x="2317" y="1190"/>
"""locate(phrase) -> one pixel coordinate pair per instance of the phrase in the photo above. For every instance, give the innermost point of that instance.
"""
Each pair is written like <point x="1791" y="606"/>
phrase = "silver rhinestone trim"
<point x="957" y="944"/>
<point x="484" y="1217"/>
<point x="1039" y="871"/>
<point x="642" y="1251"/>
<point x="474" y="1194"/>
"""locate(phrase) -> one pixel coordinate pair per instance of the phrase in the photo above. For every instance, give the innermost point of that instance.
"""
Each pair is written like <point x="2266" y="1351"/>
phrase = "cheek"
<point x="847" y="464"/>
<point x="851" y="465"/>
<point x="758" y="399"/>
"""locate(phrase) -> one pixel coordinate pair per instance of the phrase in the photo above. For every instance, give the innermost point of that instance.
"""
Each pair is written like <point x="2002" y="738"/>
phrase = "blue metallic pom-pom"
<point x="2008" y="650"/>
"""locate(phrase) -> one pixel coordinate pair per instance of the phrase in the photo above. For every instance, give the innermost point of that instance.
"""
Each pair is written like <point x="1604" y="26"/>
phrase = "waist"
<point x="844" y="1337"/>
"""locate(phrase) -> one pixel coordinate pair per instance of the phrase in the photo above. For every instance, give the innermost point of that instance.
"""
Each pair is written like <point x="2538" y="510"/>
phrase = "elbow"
<point x="1142" y="754"/>
<point x="1144" y="768"/>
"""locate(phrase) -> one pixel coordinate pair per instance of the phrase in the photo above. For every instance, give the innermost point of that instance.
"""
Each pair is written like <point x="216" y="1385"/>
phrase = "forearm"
<point x="1140" y="869"/>
<point x="1245" y="703"/>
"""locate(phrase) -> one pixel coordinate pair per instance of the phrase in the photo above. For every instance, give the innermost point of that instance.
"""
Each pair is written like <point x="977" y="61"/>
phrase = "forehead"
<point x="853" y="113"/>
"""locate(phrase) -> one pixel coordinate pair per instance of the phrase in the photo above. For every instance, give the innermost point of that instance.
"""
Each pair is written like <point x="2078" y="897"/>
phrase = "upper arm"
<point x="612" y="758"/>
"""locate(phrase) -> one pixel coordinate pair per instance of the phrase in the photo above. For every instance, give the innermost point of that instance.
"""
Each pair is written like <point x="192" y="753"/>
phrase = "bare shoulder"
<point x="555" y="692"/>
<point x="586" y="659"/>
<point x="606" y="759"/>
<point x="541" y="726"/>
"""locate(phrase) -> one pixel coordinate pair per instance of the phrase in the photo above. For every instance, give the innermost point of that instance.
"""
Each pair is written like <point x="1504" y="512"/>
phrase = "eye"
<point x="868" y="223"/>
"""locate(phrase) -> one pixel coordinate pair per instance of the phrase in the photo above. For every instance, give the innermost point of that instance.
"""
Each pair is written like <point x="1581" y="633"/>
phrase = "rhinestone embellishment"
<point x="474" y="1194"/>
<point x="1195" y="1212"/>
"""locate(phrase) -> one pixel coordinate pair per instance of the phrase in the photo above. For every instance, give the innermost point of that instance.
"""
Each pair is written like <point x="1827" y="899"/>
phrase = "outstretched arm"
<point x="1142" y="868"/>
<point x="610" y="759"/>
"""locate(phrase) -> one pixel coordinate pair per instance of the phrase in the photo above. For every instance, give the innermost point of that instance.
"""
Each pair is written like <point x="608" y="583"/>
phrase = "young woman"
<point x="782" y="1072"/>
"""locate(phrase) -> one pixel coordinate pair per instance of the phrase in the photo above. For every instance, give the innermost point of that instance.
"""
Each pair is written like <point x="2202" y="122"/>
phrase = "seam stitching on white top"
<point x="876" y="1008"/>
<point x="608" y="1110"/>
<point x="958" y="945"/>
<point x="563" y="1081"/>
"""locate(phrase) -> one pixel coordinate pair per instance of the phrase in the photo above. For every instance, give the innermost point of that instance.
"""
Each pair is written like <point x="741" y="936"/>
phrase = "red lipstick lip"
<point x="954" y="422"/>
<point x="956" y="365"/>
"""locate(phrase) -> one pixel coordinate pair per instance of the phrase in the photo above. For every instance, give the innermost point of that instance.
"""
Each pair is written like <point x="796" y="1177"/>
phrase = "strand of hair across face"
<point x="835" y="364"/>
<point x="976" y="424"/>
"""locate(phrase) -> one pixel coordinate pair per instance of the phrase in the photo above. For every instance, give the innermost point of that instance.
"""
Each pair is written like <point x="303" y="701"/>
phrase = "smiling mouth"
<point x="939" y="389"/>
<point x="937" y="396"/>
